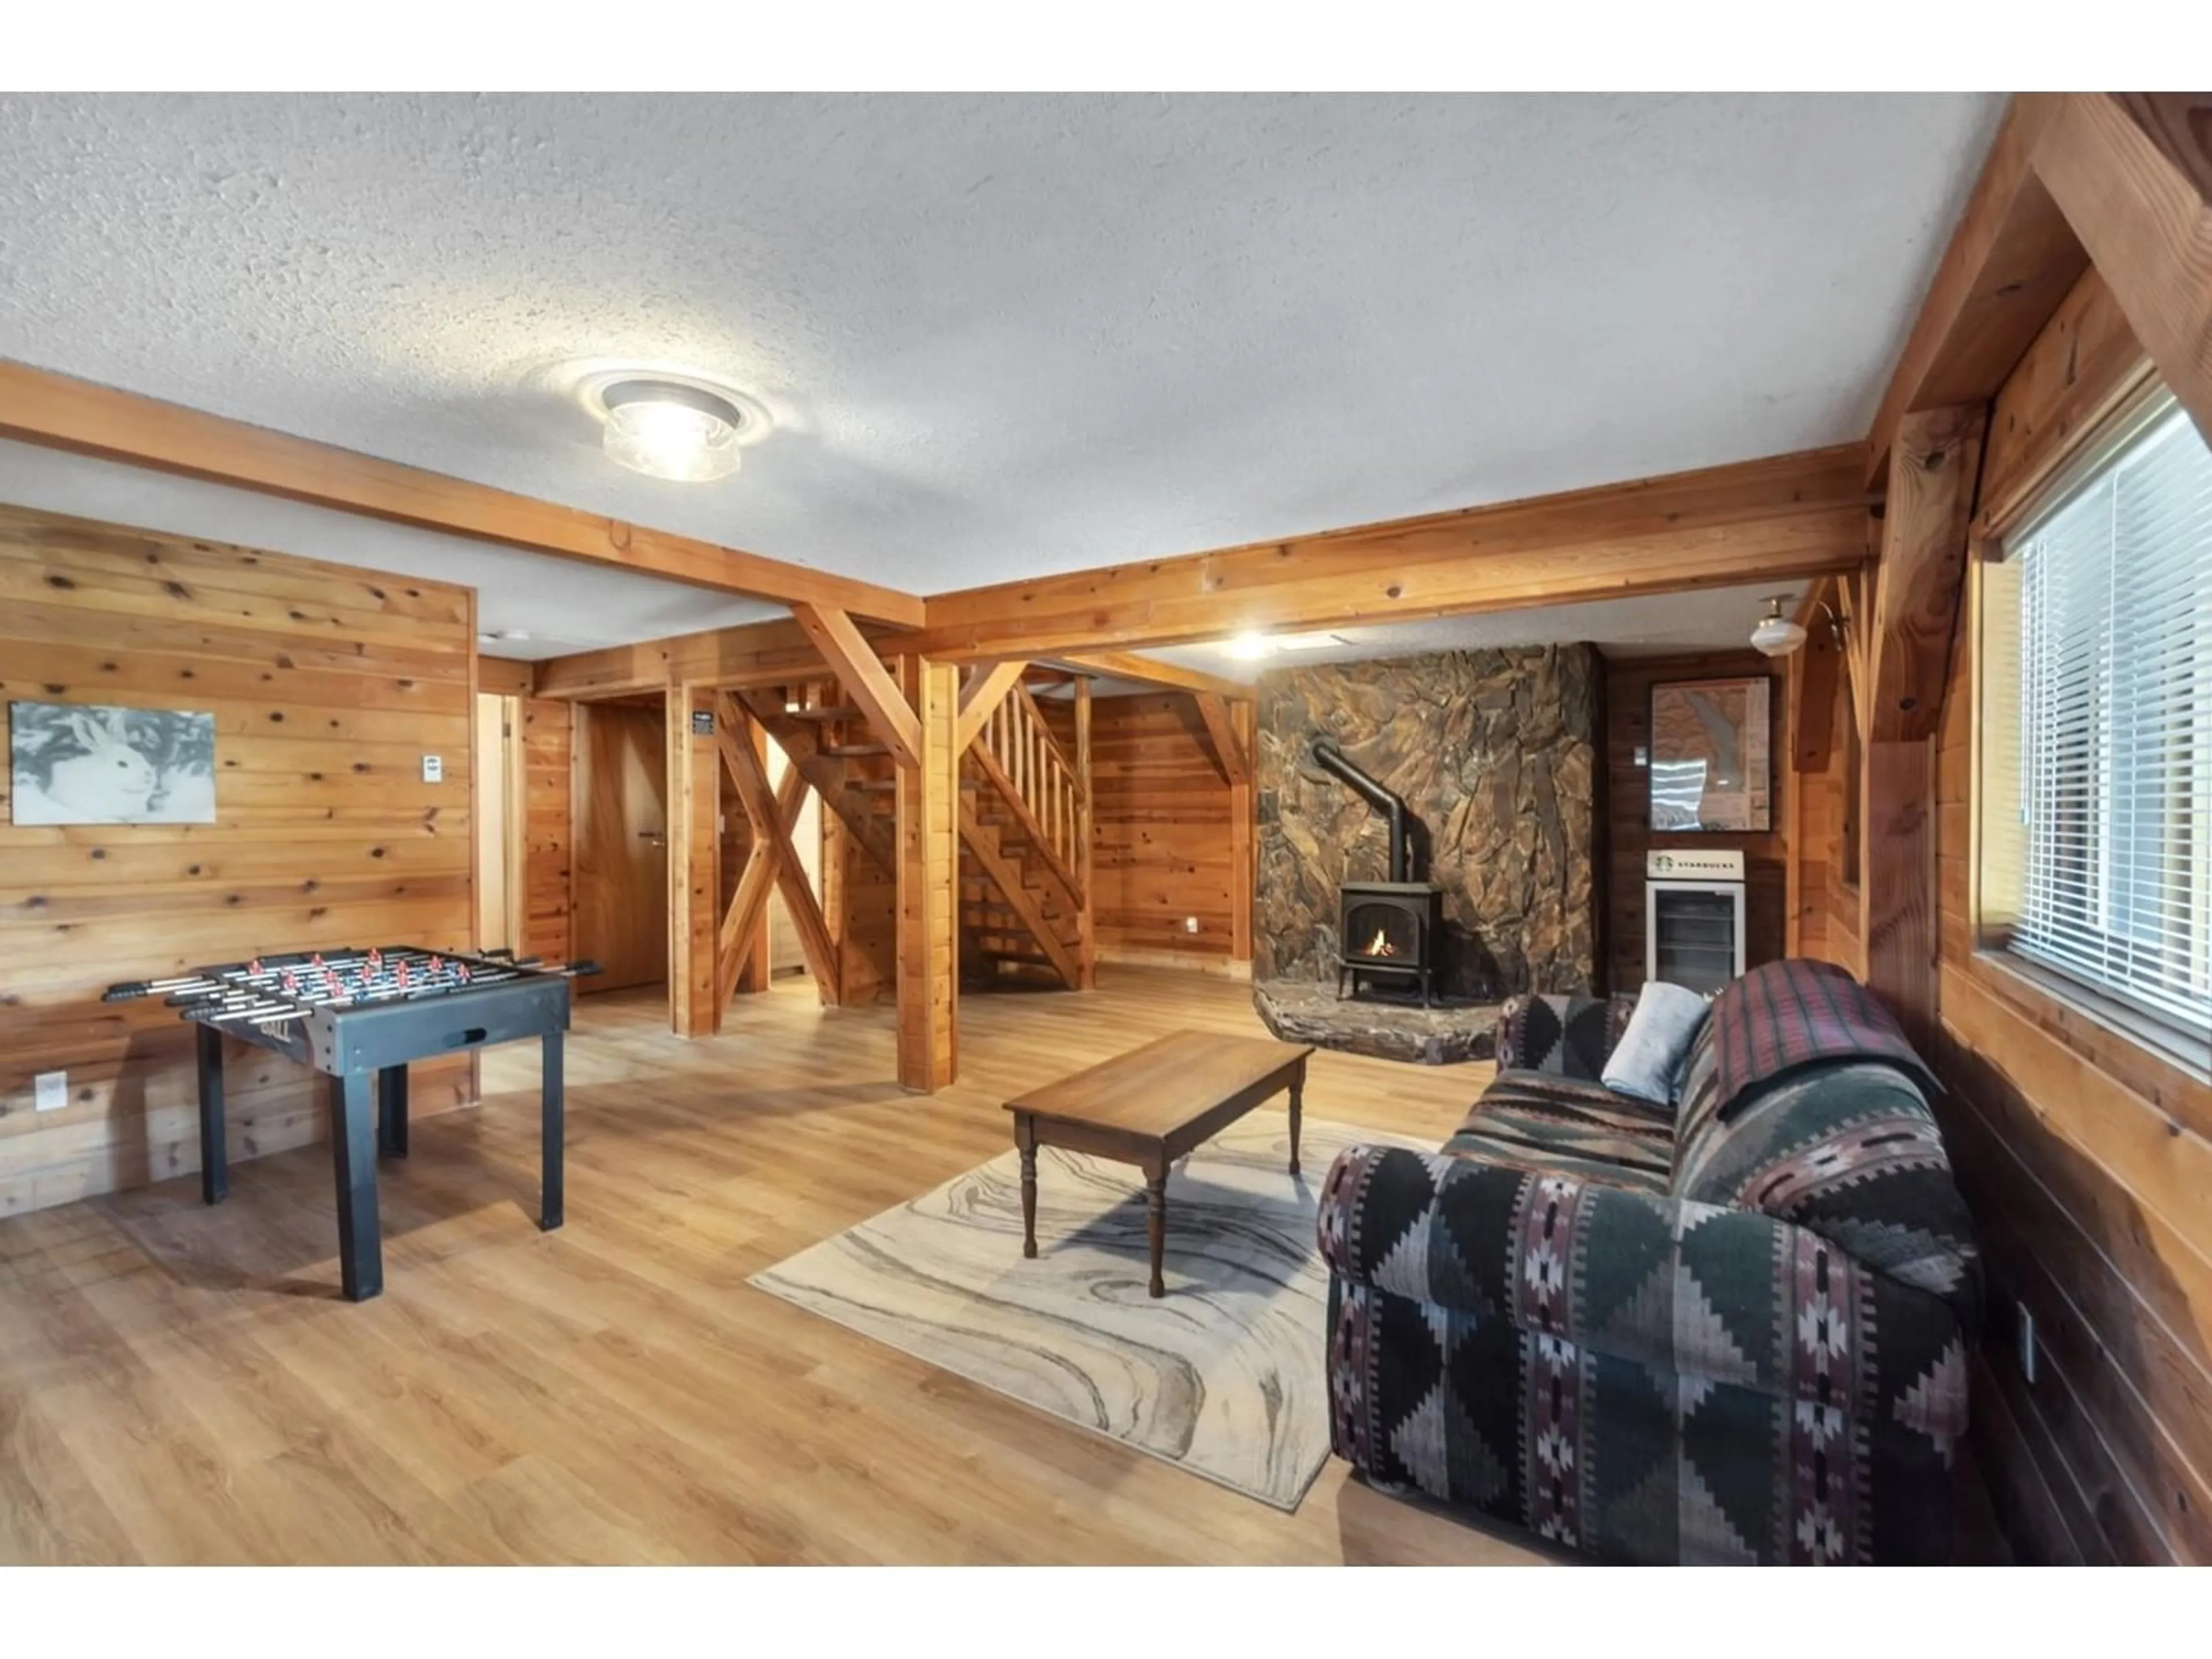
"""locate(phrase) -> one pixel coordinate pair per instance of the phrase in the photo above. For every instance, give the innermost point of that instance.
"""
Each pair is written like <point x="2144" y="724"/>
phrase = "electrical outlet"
<point x="434" y="769"/>
<point x="50" y="1091"/>
<point x="2027" y="1343"/>
<point x="1190" y="924"/>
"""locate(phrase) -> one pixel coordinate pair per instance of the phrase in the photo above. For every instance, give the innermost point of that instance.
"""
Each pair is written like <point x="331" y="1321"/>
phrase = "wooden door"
<point x="622" y="844"/>
<point x="498" y="786"/>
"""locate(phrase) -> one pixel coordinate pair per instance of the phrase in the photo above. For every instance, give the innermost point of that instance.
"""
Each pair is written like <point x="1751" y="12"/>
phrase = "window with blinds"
<point x="2106" y="878"/>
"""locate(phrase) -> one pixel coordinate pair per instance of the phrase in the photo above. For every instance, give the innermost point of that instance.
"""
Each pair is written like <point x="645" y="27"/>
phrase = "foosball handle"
<point x="125" y="991"/>
<point x="584" y="969"/>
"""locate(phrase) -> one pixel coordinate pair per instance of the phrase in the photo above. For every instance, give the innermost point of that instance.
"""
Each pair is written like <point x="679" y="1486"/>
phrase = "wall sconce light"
<point x="1777" y="636"/>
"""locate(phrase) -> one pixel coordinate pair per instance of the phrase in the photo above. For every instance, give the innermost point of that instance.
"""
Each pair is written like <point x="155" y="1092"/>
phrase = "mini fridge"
<point x="1693" y="918"/>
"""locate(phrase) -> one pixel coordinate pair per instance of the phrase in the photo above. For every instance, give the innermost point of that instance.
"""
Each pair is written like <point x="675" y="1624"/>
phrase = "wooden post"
<point x="694" y="853"/>
<point x="1914" y="618"/>
<point x="928" y="868"/>
<point x="1242" y="824"/>
<point x="1086" y="944"/>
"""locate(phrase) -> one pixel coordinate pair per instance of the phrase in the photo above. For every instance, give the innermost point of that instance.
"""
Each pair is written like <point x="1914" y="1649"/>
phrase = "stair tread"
<point x="836" y="712"/>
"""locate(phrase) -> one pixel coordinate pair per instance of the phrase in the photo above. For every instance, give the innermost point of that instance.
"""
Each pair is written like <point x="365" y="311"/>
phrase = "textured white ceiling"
<point x="1000" y="336"/>
<point x="564" y="606"/>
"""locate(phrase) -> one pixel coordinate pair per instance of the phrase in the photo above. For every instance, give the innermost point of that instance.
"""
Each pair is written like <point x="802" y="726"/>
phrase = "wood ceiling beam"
<point x="58" y="412"/>
<point x="865" y="680"/>
<point x="979" y="698"/>
<point x="1773" y="519"/>
<point x="1145" y="671"/>
<point x="2132" y="172"/>
<point x="2011" y="259"/>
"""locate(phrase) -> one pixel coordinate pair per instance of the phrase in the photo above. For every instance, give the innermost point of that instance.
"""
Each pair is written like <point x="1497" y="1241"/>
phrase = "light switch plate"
<point x="50" y="1091"/>
<point x="434" y="769"/>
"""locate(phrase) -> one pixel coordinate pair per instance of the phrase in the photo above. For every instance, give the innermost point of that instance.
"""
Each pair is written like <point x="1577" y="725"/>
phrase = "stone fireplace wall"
<point x="1495" y="753"/>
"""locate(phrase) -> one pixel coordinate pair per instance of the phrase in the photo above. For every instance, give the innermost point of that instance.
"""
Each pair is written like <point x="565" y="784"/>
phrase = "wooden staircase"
<point x="1023" y="911"/>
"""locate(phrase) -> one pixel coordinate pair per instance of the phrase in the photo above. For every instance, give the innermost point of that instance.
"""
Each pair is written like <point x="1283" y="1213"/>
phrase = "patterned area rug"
<point x="1223" y="1376"/>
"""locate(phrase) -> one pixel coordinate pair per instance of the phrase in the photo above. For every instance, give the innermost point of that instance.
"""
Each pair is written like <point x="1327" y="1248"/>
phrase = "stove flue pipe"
<point x="1327" y="755"/>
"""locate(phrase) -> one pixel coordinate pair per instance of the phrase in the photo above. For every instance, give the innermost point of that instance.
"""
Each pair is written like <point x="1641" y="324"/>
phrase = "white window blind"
<point x="2116" y="768"/>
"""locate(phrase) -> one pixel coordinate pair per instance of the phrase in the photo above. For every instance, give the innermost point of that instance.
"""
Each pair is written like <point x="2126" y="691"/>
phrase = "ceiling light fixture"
<point x="1776" y="635"/>
<point x="666" y="430"/>
<point x="1250" y="646"/>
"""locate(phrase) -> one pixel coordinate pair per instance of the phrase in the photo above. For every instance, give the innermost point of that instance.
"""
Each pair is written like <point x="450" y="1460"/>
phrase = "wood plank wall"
<point x="1627" y="814"/>
<point x="2085" y="1156"/>
<point x="328" y="685"/>
<point x="1161" y="844"/>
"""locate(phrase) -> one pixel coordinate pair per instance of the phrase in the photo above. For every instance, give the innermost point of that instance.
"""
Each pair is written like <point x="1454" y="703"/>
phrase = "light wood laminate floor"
<point x="181" y="1384"/>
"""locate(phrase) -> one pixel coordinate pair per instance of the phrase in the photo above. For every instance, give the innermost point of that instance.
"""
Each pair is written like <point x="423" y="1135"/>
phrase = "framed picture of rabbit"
<point x="85" y="763"/>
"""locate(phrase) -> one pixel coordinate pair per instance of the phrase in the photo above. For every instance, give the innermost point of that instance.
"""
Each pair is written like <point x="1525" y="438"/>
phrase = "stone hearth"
<point x="1303" y="1010"/>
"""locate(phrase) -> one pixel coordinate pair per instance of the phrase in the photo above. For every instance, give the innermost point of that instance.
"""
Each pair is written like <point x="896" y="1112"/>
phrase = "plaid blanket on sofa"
<point x="1784" y="1015"/>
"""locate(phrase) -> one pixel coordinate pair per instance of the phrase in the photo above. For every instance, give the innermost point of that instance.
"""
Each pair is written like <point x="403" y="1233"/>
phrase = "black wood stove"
<point x="360" y="1015"/>
<point x="1391" y="932"/>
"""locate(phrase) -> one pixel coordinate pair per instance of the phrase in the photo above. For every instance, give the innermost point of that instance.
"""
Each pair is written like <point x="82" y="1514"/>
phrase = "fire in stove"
<point x="1381" y="946"/>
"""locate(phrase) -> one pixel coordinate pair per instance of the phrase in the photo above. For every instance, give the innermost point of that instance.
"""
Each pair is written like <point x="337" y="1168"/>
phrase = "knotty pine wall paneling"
<point x="1627" y="817"/>
<point x="328" y="685"/>
<point x="548" y="731"/>
<point x="1162" y="843"/>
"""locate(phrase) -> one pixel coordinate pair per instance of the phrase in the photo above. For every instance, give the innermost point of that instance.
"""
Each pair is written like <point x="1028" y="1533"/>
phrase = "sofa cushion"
<point x="1531" y="1120"/>
<point x="1562" y="1036"/>
<point x="1647" y="1063"/>
<point x="1850" y="1151"/>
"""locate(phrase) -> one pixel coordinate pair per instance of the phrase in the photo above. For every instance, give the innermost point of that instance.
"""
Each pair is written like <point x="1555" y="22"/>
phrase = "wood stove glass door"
<point x="1382" y="932"/>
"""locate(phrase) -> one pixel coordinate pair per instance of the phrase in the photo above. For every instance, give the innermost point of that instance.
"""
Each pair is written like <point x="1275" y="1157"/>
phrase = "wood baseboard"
<point x="1189" y="961"/>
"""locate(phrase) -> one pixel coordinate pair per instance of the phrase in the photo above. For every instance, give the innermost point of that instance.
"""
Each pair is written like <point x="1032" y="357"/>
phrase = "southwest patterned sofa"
<point x="1738" y="1333"/>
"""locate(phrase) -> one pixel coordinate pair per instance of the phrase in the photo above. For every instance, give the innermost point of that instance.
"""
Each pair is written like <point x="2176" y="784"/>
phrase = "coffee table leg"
<point x="1297" y="1104"/>
<point x="1025" y="1143"/>
<point x="1155" y="1226"/>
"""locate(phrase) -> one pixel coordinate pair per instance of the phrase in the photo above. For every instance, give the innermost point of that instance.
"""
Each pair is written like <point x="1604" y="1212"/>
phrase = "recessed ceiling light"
<point x="666" y="430"/>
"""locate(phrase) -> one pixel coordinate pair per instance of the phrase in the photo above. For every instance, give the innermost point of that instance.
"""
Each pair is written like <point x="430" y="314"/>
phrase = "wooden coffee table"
<point x="1150" y="1107"/>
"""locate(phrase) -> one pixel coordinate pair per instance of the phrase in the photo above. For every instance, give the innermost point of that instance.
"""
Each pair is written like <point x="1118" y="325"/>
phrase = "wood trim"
<point x="1148" y="670"/>
<point x="2009" y="261"/>
<point x="980" y="699"/>
<point x="865" y="680"/>
<point x="2130" y="172"/>
<point x="1230" y="758"/>
<point x="40" y="407"/>
<point x="1770" y="520"/>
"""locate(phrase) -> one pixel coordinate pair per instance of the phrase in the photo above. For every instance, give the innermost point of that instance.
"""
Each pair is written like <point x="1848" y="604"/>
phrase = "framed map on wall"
<point x="1710" y="767"/>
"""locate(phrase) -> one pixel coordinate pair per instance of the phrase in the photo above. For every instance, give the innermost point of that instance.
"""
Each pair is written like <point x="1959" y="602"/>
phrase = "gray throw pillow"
<point x="1649" y="1062"/>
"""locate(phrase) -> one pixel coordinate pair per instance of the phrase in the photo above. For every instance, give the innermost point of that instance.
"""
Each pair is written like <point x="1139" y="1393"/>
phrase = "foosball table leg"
<point x="392" y="1111"/>
<point x="551" y="1170"/>
<point x="214" y="1155"/>
<point x="353" y="1154"/>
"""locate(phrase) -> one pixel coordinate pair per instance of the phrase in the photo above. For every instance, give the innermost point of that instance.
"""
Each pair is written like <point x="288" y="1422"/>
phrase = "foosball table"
<point x="362" y="1015"/>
